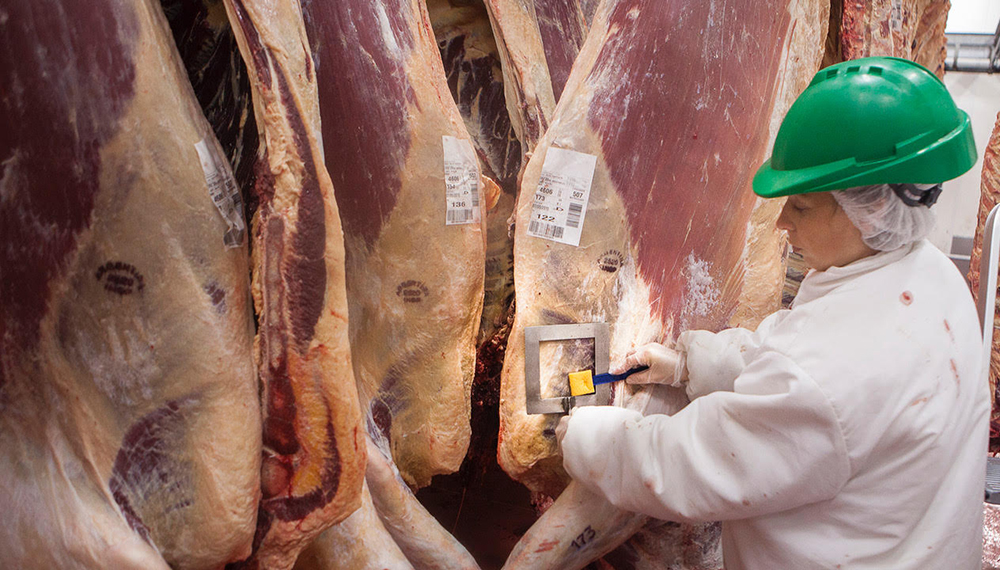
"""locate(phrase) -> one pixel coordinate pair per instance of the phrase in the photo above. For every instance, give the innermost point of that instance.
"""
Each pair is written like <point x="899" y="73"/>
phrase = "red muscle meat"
<point x="562" y="27"/>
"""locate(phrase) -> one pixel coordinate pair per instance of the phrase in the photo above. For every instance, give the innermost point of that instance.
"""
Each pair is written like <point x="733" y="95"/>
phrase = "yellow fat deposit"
<point x="581" y="383"/>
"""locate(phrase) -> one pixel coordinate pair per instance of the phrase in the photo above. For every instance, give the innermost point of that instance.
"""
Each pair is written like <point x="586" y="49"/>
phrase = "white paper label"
<point x="561" y="197"/>
<point x="461" y="180"/>
<point x="224" y="193"/>
<point x="896" y="15"/>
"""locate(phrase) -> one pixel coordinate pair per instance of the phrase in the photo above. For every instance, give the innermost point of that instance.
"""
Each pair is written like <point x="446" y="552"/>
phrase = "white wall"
<point x="978" y="94"/>
<point x="973" y="16"/>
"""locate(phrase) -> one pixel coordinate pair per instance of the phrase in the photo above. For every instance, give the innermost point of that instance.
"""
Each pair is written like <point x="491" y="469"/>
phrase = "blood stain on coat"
<point x="954" y="370"/>
<point x="947" y="327"/>
<point x="906" y="298"/>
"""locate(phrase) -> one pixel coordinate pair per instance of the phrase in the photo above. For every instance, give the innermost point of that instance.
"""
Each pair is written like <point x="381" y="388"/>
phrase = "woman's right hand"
<point x="664" y="365"/>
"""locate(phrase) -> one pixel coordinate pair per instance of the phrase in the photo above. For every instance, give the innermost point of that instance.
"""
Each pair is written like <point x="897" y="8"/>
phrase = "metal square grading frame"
<point x="534" y="336"/>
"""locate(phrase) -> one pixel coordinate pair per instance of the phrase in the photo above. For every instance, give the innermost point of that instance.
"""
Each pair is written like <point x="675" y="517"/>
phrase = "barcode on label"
<point x="460" y="216"/>
<point x="223" y="191"/>
<point x="546" y="230"/>
<point x="559" y="207"/>
<point x="573" y="218"/>
<point x="461" y="176"/>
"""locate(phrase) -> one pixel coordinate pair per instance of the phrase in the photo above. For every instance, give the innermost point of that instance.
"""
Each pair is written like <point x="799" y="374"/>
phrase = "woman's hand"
<point x="561" y="428"/>
<point x="664" y="364"/>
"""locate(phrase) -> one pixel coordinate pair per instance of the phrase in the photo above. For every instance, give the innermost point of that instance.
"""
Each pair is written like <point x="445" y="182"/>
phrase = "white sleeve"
<point x="772" y="445"/>
<point x="713" y="361"/>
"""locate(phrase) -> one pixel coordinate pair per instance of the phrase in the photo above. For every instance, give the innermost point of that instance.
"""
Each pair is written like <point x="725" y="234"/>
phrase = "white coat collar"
<point x="819" y="283"/>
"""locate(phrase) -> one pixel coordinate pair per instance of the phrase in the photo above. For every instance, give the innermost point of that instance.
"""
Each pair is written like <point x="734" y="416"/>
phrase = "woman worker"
<point x="850" y="431"/>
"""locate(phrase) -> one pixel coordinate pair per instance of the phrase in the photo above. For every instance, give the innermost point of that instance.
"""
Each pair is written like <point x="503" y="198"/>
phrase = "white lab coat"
<point x="848" y="432"/>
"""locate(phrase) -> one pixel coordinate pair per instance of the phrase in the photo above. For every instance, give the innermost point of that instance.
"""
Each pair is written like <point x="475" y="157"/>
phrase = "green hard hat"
<point x="875" y="120"/>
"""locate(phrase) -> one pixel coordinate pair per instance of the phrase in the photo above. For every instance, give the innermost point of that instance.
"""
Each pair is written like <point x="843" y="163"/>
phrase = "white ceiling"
<point x="973" y="17"/>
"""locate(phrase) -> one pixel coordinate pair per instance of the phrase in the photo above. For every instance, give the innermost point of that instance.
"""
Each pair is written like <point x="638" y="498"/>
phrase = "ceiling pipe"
<point x="976" y="53"/>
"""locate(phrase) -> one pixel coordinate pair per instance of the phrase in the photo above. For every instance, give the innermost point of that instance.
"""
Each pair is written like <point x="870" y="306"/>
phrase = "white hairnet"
<point x="887" y="221"/>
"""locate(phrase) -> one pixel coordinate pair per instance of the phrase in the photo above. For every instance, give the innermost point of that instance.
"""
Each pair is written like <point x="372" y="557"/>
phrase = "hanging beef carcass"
<point x="314" y="450"/>
<point x="472" y="67"/>
<point x="472" y="63"/>
<point x="273" y="38"/>
<point x="989" y="197"/>
<point x="682" y="123"/>
<point x="671" y="115"/>
<point x="910" y="29"/>
<point x="130" y="431"/>
<point x="407" y="185"/>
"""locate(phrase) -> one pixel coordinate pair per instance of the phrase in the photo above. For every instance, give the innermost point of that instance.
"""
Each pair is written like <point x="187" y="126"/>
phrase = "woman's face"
<point x="820" y="231"/>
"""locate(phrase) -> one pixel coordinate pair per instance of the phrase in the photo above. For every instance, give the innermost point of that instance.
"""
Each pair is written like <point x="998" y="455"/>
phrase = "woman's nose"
<point x="783" y="223"/>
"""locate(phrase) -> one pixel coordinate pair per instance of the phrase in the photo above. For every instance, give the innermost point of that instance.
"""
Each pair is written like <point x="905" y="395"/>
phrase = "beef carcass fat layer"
<point x="130" y="433"/>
